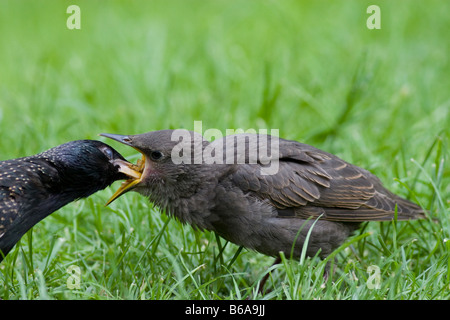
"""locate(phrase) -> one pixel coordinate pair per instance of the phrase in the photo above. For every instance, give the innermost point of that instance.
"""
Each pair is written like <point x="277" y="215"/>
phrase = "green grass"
<point x="376" y="98"/>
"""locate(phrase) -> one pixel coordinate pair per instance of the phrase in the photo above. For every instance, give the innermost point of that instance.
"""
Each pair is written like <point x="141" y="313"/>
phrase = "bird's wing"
<point x="19" y="178"/>
<point x="9" y="208"/>
<point x="9" y="204"/>
<point x="311" y="183"/>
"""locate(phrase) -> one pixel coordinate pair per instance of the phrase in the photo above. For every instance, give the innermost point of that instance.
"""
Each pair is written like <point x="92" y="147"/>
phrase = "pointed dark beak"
<point x="118" y="137"/>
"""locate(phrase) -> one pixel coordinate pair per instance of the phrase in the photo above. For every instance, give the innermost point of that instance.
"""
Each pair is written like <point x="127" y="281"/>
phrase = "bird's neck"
<point x="190" y="198"/>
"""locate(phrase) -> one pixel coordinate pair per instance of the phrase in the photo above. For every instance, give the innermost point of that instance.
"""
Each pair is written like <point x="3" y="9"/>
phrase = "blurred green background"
<point x="311" y="69"/>
<point x="138" y="66"/>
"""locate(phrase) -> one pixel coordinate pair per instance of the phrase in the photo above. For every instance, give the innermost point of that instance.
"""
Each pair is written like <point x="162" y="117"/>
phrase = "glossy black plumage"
<point x="33" y="187"/>
<point x="268" y="213"/>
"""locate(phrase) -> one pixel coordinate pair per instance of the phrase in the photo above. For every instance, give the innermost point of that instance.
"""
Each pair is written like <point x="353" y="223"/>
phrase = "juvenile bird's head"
<point x="169" y="159"/>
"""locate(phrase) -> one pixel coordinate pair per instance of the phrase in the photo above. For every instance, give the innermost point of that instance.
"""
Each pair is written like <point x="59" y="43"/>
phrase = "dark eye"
<point x="156" y="155"/>
<point x="108" y="152"/>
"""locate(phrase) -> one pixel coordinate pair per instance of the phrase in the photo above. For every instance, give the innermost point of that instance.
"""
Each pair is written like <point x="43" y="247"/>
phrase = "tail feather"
<point x="393" y="207"/>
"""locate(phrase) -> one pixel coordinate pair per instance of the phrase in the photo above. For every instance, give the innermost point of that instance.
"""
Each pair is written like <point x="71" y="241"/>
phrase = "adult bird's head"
<point x="168" y="156"/>
<point x="85" y="166"/>
<point x="33" y="187"/>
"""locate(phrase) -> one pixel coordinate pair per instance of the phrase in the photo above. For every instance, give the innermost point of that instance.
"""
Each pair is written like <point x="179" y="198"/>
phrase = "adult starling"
<point x="33" y="187"/>
<point x="264" y="210"/>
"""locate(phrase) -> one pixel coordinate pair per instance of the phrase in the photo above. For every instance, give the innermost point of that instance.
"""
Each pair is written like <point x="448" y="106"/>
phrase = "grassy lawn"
<point x="312" y="69"/>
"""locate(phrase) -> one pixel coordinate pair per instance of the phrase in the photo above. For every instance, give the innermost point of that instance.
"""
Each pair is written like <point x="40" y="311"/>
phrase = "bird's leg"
<point x="326" y="274"/>
<point x="329" y="271"/>
<point x="264" y="279"/>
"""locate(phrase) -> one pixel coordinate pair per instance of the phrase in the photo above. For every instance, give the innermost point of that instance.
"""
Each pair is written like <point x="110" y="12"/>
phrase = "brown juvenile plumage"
<point x="264" y="212"/>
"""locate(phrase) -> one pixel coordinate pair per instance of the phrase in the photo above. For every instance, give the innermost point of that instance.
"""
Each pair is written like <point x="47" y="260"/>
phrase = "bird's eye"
<point x="108" y="152"/>
<point x="156" y="155"/>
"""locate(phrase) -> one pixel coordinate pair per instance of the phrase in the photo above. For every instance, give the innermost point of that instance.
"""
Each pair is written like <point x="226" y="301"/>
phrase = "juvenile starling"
<point x="269" y="212"/>
<point x="33" y="187"/>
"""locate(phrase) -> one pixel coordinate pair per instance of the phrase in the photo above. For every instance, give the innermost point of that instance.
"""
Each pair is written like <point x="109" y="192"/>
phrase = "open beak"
<point x="133" y="171"/>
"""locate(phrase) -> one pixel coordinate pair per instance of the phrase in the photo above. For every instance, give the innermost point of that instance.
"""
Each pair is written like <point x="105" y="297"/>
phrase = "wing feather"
<point x="311" y="182"/>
